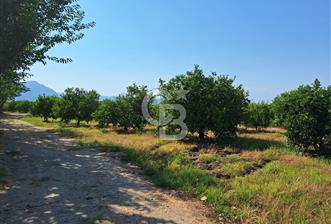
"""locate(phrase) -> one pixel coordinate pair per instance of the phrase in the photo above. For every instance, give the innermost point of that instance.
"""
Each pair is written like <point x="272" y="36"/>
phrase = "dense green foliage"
<point x="306" y="114"/>
<point x="258" y="115"/>
<point x="129" y="108"/>
<point x="212" y="102"/>
<point x="10" y="86"/>
<point x="45" y="107"/>
<point x="23" y="106"/>
<point x="106" y="113"/>
<point x="77" y="104"/>
<point x="125" y="111"/>
<point x="28" y="30"/>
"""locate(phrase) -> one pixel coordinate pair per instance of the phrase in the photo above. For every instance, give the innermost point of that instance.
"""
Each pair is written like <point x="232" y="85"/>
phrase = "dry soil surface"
<point x="51" y="183"/>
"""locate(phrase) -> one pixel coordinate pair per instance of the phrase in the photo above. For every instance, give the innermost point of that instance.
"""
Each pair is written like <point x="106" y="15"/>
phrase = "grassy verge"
<point x="255" y="178"/>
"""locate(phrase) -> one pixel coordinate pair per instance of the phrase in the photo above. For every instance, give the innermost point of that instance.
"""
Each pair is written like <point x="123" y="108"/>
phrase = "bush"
<point x="45" y="107"/>
<point x="23" y="106"/>
<point x="77" y="104"/>
<point x="128" y="108"/>
<point x="258" y="115"/>
<point x="212" y="102"/>
<point x="106" y="113"/>
<point x="125" y="111"/>
<point x="306" y="113"/>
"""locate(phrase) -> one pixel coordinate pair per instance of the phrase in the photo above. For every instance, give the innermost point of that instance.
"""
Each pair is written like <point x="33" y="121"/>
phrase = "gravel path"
<point x="50" y="183"/>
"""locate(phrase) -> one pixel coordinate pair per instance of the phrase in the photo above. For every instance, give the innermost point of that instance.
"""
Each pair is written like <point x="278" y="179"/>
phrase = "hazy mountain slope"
<point x="35" y="89"/>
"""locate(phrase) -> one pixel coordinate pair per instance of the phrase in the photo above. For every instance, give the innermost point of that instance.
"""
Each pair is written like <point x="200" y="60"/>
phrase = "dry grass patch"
<point x="274" y="136"/>
<point x="208" y="157"/>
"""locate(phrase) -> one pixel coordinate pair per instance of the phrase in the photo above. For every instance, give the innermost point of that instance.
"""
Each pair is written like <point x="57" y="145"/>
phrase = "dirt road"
<point x="51" y="183"/>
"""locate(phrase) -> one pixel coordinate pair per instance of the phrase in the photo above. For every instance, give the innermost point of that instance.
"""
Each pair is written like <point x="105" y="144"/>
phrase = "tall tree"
<point x="28" y="30"/>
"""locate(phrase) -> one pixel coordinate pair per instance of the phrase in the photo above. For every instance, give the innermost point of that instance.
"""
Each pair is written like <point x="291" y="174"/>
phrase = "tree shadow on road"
<point x="50" y="186"/>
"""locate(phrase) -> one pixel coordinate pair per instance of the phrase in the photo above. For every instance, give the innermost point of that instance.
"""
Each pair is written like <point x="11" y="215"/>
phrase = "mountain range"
<point x="35" y="89"/>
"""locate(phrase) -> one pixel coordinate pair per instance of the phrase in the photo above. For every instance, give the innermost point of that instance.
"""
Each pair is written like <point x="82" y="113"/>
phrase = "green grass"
<point x="287" y="189"/>
<point x="40" y="123"/>
<point x="208" y="157"/>
<point x="282" y="191"/>
<point x="238" y="168"/>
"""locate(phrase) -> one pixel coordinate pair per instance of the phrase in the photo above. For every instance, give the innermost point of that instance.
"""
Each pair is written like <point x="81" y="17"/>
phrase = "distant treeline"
<point x="212" y="103"/>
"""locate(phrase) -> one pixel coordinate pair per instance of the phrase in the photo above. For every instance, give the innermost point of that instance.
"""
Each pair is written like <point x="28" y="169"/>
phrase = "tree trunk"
<point x="78" y="123"/>
<point x="2" y="103"/>
<point x="201" y="135"/>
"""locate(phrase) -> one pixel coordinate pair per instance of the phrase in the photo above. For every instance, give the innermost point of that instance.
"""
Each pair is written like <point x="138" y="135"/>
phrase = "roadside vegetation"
<point x="251" y="173"/>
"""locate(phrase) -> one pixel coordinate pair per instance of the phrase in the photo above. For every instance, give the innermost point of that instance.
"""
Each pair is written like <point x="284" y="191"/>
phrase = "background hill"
<point x="36" y="89"/>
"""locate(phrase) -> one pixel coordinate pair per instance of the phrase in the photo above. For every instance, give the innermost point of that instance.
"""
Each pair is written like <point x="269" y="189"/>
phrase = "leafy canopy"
<point x="78" y="104"/>
<point x="258" y="115"/>
<point x="212" y="102"/>
<point x="22" y="106"/>
<point x="28" y="30"/>
<point x="44" y="106"/>
<point x="10" y="86"/>
<point x="306" y="113"/>
<point x="129" y="108"/>
<point x="107" y="113"/>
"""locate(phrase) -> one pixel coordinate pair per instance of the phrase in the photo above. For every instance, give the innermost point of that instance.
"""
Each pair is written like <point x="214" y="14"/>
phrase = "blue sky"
<point x="269" y="45"/>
